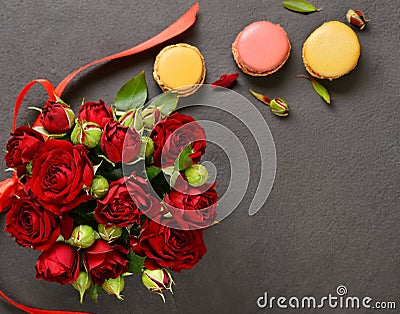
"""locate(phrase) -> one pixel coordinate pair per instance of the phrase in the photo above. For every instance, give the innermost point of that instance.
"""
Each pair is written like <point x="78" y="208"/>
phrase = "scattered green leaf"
<point x="301" y="6"/>
<point x="318" y="87"/>
<point x="132" y="94"/>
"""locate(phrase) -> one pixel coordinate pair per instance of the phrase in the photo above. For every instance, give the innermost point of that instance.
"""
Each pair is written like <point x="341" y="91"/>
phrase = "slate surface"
<point x="333" y="214"/>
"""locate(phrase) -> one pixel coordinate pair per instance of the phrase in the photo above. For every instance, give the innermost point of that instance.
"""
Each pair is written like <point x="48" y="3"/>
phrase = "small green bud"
<point x="87" y="133"/>
<point x="109" y="233"/>
<point x="150" y="117"/>
<point x="196" y="175"/>
<point x="279" y="107"/>
<point x="127" y="118"/>
<point x="157" y="281"/>
<point x="114" y="286"/>
<point x="83" y="236"/>
<point x="99" y="187"/>
<point x="149" y="146"/>
<point x="82" y="284"/>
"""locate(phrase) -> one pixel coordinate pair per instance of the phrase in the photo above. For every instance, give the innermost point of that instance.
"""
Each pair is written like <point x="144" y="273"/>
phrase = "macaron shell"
<point x="331" y="51"/>
<point x="261" y="48"/>
<point x="179" y="67"/>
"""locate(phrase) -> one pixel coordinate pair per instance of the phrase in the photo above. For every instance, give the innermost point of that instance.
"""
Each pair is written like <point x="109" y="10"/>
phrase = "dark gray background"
<point x="333" y="214"/>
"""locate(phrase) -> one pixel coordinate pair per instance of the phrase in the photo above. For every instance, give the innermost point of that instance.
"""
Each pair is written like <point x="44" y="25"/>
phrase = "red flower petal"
<point x="225" y="80"/>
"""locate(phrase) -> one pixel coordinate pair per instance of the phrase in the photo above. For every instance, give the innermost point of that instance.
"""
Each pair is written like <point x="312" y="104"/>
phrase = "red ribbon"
<point x="9" y="186"/>
<point x="32" y="310"/>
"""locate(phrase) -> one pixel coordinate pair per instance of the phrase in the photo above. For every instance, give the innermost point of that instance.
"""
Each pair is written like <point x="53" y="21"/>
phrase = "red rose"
<point x="192" y="209"/>
<point x="104" y="261"/>
<point x="116" y="138"/>
<point x="170" y="248"/>
<point x="21" y="148"/>
<point x="61" y="175"/>
<point x="185" y="134"/>
<point x="30" y="224"/>
<point x="97" y="112"/>
<point x="60" y="263"/>
<point x="125" y="202"/>
<point x="57" y="118"/>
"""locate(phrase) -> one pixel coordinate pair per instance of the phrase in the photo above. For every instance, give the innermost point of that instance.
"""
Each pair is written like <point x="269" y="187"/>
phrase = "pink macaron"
<point x="262" y="48"/>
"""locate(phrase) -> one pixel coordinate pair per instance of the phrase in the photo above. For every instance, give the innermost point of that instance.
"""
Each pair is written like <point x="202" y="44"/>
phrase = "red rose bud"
<point x="279" y="107"/>
<point x="157" y="281"/>
<point x="196" y="175"/>
<point x="22" y="147"/>
<point x="57" y="118"/>
<point x="150" y="117"/>
<point x="99" y="187"/>
<point x="59" y="264"/>
<point x="114" y="286"/>
<point x="170" y="248"/>
<point x="87" y="133"/>
<point x="117" y="138"/>
<point x="97" y="112"/>
<point x="30" y="224"/>
<point x="83" y="236"/>
<point x="176" y="132"/>
<point x="109" y="233"/>
<point x="225" y="80"/>
<point x="357" y="18"/>
<point x="82" y="284"/>
<point x="104" y="261"/>
<point x="61" y="176"/>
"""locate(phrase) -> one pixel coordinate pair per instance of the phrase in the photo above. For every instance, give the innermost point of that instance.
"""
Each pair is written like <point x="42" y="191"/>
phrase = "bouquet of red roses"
<point x="111" y="192"/>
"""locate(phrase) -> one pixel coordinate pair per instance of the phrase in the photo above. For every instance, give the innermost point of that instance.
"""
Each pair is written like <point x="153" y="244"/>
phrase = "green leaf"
<point x="60" y="101"/>
<point x="152" y="172"/>
<point x="136" y="263"/>
<point x="183" y="161"/>
<point x="133" y="94"/>
<point x="94" y="291"/>
<point x="166" y="103"/>
<point x="318" y="87"/>
<point x="301" y="6"/>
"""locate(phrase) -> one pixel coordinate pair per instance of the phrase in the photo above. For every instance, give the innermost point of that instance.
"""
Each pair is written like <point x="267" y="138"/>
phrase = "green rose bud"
<point x="83" y="236"/>
<point x="157" y="281"/>
<point x="196" y="175"/>
<point x="99" y="187"/>
<point x="82" y="284"/>
<point x="127" y="118"/>
<point x="87" y="133"/>
<point x="149" y="146"/>
<point x="150" y="117"/>
<point x="109" y="233"/>
<point x="279" y="107"/>
<point x="357" y="18"/>
<point x="114" y="286"/>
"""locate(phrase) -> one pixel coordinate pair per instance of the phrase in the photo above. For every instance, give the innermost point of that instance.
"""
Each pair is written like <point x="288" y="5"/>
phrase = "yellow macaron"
<point x="179" y="67"/>
<point x="331" y="51"/>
